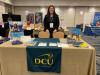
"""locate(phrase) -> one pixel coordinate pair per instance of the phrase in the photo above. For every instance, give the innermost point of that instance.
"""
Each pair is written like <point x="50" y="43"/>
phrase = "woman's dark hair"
<point x="48" y="13"/>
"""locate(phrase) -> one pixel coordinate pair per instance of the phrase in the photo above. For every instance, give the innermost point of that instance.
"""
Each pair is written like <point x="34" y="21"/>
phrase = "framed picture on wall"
<point x="38" y="17"/>
<point x="30" y="17"/>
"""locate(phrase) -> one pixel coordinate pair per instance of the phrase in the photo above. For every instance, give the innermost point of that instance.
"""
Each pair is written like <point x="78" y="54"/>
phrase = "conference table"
<point x="74" y="61"/>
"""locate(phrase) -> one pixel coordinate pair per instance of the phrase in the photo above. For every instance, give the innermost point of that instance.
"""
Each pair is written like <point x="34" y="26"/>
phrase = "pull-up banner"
<point x="96" y="21"/>
<point x="44" y="59"/>
<point x="96" y="24"/>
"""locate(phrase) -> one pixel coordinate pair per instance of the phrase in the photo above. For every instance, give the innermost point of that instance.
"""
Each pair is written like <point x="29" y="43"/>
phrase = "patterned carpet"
<point x="96" y="43"/>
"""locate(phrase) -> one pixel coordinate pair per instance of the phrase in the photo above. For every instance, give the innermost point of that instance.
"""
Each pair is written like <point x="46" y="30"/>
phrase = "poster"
<point x="96" y="21"/>
<point x="96" y="24"/>
<point x="15" y="26"/>
<point x="30" y="17"/>
<point x="44" y="59"/>
<point x="38" y="17"/>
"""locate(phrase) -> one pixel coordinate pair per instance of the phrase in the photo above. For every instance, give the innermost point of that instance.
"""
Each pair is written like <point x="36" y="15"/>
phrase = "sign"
<point x="44" y="59"/>
<point x="38" y="17"/>
<point x="96" y="21"/>
<point x="30" y="18"/>
<point x="96" y="24"/>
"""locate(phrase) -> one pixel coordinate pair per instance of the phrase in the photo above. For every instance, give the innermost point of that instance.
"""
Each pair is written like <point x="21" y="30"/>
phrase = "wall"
<point x="79" y="14"/>
<point x="4" y="6"/>
<point x="68" y="16"/>
<point x="22" y="11"/>
<point x="2" y="10"/>
<point x="6" y="1"/>
<point x="8" y="8"/>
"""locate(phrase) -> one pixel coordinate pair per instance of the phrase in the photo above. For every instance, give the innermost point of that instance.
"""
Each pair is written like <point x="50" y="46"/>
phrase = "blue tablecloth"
<point x="44" y="59"/>
<point x="88" y="31"/>
<point x="96" y="30"/>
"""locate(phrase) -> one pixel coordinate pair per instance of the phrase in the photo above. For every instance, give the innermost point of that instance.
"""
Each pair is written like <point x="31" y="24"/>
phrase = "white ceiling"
<point x="56" y="2"/>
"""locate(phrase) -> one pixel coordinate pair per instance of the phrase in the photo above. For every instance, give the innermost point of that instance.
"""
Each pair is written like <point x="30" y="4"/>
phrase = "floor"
<point x="96" y="43"/>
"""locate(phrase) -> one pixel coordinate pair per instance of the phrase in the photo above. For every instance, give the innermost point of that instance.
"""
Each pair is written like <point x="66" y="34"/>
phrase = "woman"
<point x="51" y="21"/>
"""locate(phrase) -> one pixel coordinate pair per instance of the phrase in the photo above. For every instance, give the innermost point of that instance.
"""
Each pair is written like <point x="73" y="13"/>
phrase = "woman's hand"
<point x="55" y="30"/>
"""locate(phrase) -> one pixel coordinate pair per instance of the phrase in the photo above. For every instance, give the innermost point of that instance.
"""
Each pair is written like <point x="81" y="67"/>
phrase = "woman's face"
<point x="51" y="10"/>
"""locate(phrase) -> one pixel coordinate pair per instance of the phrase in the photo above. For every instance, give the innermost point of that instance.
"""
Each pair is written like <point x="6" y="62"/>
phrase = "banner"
<point x="38" y="17"/>
<point x="30" y="18"/>
<point x="44" y="59"/>
<point x="96" y="24"/>
<point x="96" y="21"/>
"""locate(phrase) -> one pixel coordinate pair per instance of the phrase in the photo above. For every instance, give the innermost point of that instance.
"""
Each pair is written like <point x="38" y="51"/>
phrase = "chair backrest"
<point x="58" y="34"/>
<point x="43" y="34"/>
<point x="25" y="38"/>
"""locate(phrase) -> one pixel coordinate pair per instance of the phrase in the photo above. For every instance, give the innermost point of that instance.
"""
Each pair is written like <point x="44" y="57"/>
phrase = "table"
<point x="75" y="61"/>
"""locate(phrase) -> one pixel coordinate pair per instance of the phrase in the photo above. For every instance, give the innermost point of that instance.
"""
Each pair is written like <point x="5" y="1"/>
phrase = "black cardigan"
<point x="47" y="22"/>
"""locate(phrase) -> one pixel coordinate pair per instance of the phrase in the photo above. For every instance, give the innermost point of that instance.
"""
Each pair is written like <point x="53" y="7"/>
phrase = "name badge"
<point x="51" y="25"/>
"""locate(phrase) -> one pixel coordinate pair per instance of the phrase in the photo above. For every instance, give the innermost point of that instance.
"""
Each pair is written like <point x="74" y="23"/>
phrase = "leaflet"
<point x="53" y="44"/>
<point x="42" y="44"/>
<point x="63" y="45"/>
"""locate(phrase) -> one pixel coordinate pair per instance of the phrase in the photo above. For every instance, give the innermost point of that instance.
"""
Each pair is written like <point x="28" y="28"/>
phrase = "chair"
<point x="43" y="34"/>
<point x="58" y="34"/>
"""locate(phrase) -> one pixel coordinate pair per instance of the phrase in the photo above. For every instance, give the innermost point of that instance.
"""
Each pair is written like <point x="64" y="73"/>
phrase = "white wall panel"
<point x="2" y="10"/>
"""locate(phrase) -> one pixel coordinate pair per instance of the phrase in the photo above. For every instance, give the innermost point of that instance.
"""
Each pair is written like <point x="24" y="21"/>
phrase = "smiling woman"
<point x="51" y="20"/>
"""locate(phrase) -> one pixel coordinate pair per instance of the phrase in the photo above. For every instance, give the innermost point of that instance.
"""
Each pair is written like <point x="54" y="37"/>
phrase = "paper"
<point x="25" y="38"/>
<point x="53" y="44"/>
<point x="42" y="44"/>
<point x="63" y="45"/>
<point x="51" y="25"/>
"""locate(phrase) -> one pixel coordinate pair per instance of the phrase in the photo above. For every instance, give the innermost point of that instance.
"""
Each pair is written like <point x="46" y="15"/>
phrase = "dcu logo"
<point x="45" y="59"/>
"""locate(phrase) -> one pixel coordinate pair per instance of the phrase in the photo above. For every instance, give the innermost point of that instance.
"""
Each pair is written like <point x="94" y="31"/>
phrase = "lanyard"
<point x="51" y="19"/>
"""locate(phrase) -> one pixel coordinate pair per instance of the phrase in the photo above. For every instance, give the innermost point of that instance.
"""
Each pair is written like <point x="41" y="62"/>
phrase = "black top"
<point x="48" y="20"/>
